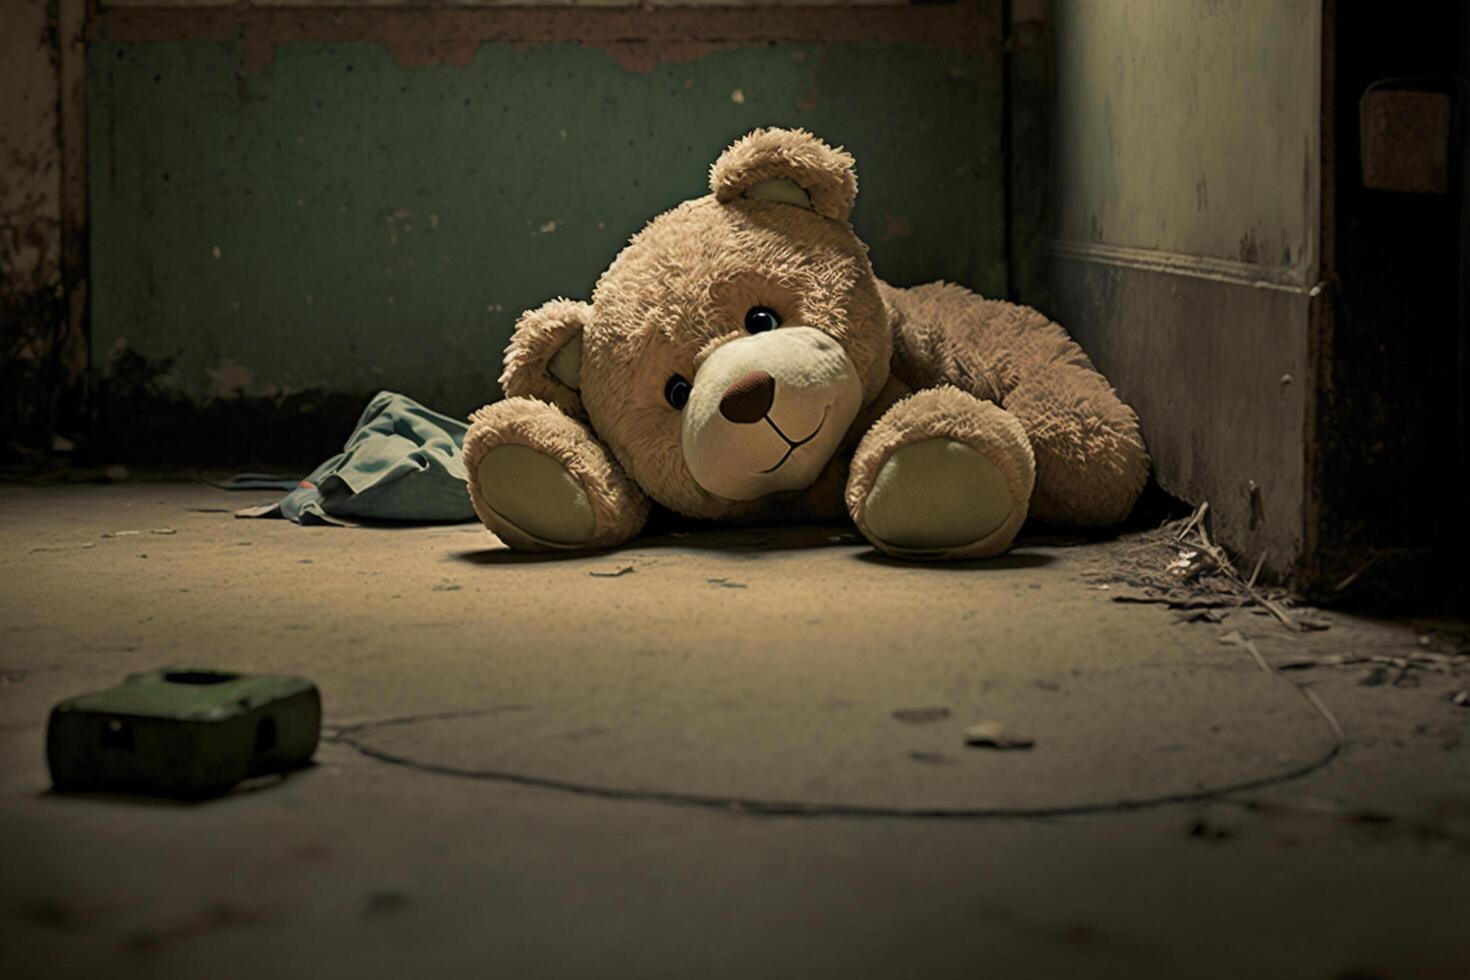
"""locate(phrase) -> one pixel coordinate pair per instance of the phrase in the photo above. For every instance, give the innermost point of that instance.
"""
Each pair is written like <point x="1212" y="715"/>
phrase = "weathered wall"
<point x="1191" y="128"/>
<point x="1185" y="255"/>
<point x="31" y="299"/>
<point x="282" y="225"/>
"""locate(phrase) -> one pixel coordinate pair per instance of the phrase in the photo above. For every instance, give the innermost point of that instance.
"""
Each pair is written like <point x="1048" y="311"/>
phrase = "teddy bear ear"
<point x="544" y="358"/>
<point x="790" y="166"/>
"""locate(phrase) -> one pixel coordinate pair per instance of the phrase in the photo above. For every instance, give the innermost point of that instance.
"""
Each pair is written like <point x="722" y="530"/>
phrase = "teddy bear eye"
<point x="676" y="391"/>
<point x="759" y="319"/>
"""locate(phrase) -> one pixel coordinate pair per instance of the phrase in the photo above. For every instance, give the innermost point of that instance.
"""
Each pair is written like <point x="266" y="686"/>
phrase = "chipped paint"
<point x="637" y="39"/>
<point x="230" y="379"/>
<point x="145" y="414"/>
<point x="813" y="96"/>
<point x="1249" y="251"/>
<point x="896" y="226"/>
<point x="32" y="297"/>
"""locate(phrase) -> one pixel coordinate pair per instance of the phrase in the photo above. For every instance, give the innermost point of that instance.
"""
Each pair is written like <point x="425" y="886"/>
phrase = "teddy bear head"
<point x="731" y="344"/>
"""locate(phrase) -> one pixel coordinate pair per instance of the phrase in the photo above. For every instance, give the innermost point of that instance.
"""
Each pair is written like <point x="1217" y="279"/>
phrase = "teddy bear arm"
<point x="1091" y="463"/>
<point x="1090" y="459"/>
<point x="543" y="481"/>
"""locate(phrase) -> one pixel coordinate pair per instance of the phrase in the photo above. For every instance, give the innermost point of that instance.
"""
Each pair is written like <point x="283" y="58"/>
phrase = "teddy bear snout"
<point x="767" y="412"/>
<point x="749" y="397"/>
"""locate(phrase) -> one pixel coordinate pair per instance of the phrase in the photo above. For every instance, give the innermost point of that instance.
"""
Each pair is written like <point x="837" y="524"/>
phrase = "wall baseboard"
<point x="1290" y="279"/>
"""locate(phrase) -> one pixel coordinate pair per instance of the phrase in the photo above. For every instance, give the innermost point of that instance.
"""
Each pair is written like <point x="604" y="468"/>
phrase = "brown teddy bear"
<point x="740" y="361"/>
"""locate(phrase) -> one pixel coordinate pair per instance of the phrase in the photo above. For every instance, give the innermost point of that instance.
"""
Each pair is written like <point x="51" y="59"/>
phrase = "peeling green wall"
<point x="32" y="296"/>
<point x="337" y="223"/>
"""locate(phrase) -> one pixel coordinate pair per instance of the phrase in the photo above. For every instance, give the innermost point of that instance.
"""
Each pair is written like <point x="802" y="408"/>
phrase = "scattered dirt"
<point x="1179" y="566"/>
<point x="217" y="918"/>
<point x="384" y="903"/>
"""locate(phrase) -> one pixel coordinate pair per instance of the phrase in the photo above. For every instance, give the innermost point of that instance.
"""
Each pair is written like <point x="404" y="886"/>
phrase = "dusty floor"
<point x="684" y="760"/>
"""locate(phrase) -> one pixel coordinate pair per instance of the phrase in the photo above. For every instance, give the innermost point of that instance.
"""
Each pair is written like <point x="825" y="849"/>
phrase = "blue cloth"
<point x="402" y="463"/>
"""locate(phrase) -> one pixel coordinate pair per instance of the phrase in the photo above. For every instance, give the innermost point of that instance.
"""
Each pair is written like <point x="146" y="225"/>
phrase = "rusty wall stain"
<point x="635" y="38"/>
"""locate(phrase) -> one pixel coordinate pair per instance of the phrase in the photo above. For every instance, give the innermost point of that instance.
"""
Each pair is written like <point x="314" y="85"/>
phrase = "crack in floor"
<point x="344" y="735"/>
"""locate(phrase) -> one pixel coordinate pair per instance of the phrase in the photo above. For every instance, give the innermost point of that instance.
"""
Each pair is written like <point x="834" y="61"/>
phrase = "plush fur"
<point x="587" y="383"/>
<point x="773" y="154"/>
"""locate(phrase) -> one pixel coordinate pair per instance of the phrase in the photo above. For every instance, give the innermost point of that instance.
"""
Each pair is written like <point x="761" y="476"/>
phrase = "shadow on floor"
<point x="1010" y="561"/>
<point x="750" y="541"/>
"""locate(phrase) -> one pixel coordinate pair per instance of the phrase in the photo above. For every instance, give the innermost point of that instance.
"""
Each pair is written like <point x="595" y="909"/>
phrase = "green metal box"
<point x="183" y="732"/>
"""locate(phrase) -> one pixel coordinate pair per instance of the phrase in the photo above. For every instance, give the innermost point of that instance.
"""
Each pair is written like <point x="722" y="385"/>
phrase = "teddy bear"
<point x="740" y="361"/>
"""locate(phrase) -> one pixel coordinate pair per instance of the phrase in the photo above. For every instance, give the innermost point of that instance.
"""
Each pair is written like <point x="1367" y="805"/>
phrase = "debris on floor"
<point x="63" y="547"/>
<point x="994" y="735"/>
<point x="384" y="903"/>
<point x="1179" y="566"/>
<point x="1437" y="662"/>
<point x="611" y="571"/>
<point x="1207" y="828"/>
<point x="921" y="715"/>
<point x="1235" y="639"/>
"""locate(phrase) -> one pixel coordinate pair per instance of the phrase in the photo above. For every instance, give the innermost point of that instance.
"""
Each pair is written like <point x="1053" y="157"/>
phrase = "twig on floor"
<point x="1235" y="638"/>
<point x="1437" y="662"/>
<point x="1250" y="583"/>
<point x="1199" y="574"/>
<point x="1193" y="521"/>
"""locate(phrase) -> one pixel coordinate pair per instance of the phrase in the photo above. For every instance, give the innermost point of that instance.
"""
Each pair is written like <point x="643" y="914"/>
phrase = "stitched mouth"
<point x="793" y="445"/>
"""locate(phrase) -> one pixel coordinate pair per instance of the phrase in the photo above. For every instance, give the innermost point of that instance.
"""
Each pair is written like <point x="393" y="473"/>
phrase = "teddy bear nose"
<point x="749" y="397"/>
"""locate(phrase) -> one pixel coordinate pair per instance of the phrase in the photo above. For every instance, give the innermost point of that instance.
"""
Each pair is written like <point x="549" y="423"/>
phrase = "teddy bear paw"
<point x="936" y="495"/>
<point x="535" y="494"/>
<point x="942" y="475"/>
<point x="542" y="482"/>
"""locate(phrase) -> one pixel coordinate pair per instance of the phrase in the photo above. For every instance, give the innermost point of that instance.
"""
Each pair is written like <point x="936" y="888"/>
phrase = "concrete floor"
<point x="682" y="760"/>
